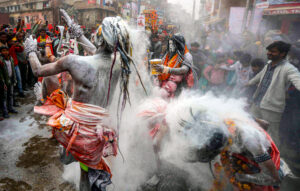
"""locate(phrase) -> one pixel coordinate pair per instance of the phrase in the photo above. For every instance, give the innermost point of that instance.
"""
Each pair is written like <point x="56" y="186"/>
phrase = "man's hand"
<point x="158" y="67"/>
<point x="66" y="17"/>
<point x="261" y="179"/>
<point x="74" y="28"/>
<point x="30" y="45"/>
<point x="49" y="40"/>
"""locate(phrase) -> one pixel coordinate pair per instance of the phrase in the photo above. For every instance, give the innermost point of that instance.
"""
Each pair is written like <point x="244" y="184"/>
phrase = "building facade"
<point x="90" y="13"/>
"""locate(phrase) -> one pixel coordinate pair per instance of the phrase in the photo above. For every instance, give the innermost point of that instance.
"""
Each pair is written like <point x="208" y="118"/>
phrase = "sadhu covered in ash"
<point x="79" y="126"/>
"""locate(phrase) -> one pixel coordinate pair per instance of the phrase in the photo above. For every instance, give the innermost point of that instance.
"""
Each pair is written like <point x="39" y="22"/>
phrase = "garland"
<point x="231" y="164"/>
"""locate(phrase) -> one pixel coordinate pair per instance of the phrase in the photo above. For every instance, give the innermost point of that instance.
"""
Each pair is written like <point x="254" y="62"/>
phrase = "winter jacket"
<point x="8" y="81"/>
<point x="285" y="74"/>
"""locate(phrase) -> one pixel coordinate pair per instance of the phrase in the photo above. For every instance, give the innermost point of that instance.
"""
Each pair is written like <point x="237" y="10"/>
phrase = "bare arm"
<point x="48" y="69"/>
<point x="268" y="176"/>
<point x="78" y="33"/>
<point x="176" y="71"/>
<point x="257" y="78"/>
<point x="48" y="51"/>
<point x="179" y="71"/>
<point x="87" y="45"/>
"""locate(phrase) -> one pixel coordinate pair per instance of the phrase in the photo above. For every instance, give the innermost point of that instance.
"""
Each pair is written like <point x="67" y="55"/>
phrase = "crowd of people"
<point x="265" y="73"/>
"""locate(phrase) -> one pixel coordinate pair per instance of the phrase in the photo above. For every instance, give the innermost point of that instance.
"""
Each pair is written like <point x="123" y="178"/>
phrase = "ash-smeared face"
<point x="99" y="41"/>
<point x="172" y="47"/>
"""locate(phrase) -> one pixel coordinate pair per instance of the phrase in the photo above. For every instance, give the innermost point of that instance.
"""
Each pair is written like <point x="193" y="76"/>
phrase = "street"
<point x="29" y="160"/>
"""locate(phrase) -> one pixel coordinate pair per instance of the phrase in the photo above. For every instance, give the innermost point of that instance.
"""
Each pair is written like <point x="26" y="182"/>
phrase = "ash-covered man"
<point x="272" y="82"/>
<point x="176" y="69"/>
<point x="79" y="128"/>
<point x="248" y="158"/>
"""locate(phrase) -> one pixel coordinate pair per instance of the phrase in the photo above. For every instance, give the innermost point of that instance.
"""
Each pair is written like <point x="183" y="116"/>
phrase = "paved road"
<point x="28" y="158"/>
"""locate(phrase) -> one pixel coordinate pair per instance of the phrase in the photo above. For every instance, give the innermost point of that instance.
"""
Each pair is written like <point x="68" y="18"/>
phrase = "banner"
<point x="262" y="4"/>
<point x="279" y="2"/>
<point x="236" y="20"/>
<point x="141" y="21"/>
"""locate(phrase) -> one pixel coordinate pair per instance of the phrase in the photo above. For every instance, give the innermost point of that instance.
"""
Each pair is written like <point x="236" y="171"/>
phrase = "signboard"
<point x="262" y="4"/>
<point x="278" y="2"/>
<point x="274" y="11"/>
<point x="141" y="21"/>
<point x="236" y="20"/>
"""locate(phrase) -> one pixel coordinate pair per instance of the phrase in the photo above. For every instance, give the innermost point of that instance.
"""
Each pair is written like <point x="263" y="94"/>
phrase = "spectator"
<point x="3" y="38"/>
<point x="156" y="46"/>
<point x="214" y="74"/>
<point x="42" y="38"/>
<point x="2" y="89"/>
<point x="198" y="58"/>
<point x="15" y="47"/>
<point x="22" y="62"/>
<point x="257" y="65"/>
<point x="273" y="80"/>
<point x="8" y="71"/>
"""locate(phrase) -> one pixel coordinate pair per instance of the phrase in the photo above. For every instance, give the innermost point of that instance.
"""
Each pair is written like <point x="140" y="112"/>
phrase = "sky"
<point x="187" y="5"/>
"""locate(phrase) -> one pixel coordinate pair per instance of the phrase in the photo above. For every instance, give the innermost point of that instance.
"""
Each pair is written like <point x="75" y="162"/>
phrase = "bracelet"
<point x="166" y="70"/>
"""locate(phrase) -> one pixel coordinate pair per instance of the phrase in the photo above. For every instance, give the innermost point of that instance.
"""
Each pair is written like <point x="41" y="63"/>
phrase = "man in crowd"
<point x="198" y="58"/>
<point x="9" y="76"/>
<point x="42" y="38"/>
<point x="3" y="38"/>
<point x="273" y="81"/>
<point x="243" y="73"/>
<point x="22" y="62"/>
<point x="14" y="47"/>
<point x="156" y="46"/>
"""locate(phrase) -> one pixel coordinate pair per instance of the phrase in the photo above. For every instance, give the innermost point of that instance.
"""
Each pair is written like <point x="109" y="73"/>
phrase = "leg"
<point x="274" y="119"/>
<point x="84" y="181"/>
<point x="4" y="104"/>
<point x="255" y="111"/>
<point x="19" y="79"/>
<point x="10" y="97"/>
<point x="23" y="70"/>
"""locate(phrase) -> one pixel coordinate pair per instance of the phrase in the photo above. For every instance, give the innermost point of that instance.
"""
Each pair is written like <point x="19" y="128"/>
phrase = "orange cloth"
<point x="171" y="63"/>
<point x="55" y="103"/>
<point x="79" y="129"/>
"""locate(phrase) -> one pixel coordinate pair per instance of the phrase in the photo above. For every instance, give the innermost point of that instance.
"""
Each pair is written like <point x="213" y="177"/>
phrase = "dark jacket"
<point x="8" y="81"/>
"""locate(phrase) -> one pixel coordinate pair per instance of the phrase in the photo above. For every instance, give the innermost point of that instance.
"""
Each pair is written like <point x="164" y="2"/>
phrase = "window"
<point x="45" y="17"/>
<point x="45" y="4"/>
<point x="11" y="20"/>
<point x="27" y="19"/>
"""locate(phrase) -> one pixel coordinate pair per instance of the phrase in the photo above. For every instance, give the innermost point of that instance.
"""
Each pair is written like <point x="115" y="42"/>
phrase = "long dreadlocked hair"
<point x="115" y="33"/>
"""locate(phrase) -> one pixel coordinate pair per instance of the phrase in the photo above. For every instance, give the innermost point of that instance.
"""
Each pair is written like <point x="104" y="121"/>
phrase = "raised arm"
<point x="47" y="69"/>
<point x="293" y="76"/>
<point x="184" y="69"/>
<point x="268" y="175"/>
<point x="75" y="30"/>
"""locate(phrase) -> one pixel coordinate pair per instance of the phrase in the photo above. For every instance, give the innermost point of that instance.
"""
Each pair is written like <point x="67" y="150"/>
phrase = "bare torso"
<point x="91" y="76"/>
